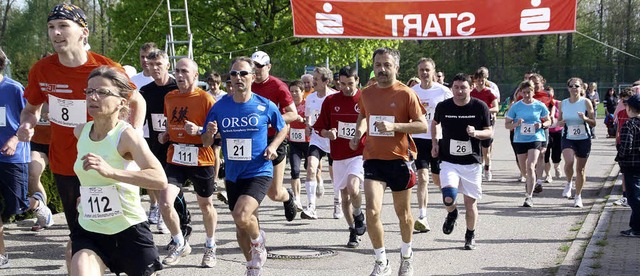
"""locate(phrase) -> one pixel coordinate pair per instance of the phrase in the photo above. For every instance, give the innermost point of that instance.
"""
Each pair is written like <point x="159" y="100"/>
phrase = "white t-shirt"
<point x="494" y="90"/>
<point x="430" y="98"/>
<point x="219" y="96"/>
<point x="313" y="105"/>
<point x="141" y="80"/>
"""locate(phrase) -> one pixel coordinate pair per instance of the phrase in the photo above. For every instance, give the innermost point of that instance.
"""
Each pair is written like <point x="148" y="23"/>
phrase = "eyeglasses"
<point x="258" y="65"/>
<point x="242" y="73"/>
<point x="102" y="92"/>
<point x="574" y="86"/>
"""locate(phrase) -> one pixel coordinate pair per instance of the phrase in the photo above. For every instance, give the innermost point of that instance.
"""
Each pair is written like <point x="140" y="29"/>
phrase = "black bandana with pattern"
<point x="68" y="12"/>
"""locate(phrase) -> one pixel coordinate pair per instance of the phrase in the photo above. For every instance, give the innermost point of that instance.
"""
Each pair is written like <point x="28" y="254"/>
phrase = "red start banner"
<point x="431" y="19"/>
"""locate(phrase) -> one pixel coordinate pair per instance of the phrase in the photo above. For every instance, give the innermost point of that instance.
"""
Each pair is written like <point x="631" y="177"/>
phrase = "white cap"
<point x="261" y="58"/>
<point x="130" y="70"/>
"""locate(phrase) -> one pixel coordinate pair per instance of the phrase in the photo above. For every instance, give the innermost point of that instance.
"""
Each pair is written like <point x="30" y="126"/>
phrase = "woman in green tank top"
<point x="112" y="228"/>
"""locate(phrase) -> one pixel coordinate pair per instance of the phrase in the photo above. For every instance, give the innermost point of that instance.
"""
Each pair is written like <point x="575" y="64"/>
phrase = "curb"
<point x="589" y="260"/>
<point x="574" y="257"/>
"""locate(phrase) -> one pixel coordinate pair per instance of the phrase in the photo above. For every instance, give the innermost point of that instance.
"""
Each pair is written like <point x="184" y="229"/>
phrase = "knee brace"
<point x="449" y="192"/>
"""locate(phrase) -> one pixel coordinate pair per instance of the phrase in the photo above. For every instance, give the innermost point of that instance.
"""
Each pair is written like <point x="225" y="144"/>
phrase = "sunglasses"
<point x="242" y="73"/>
<point x="574" y="86"/>
<point x="101" y="92"/>
<point x="258" y="65"/>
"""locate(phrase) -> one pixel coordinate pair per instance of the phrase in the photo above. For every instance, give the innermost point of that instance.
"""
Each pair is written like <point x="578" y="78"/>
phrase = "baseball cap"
<point x="261" y="58"/>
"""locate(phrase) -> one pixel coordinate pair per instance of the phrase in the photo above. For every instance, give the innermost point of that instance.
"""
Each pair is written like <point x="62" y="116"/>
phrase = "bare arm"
<point x="271" y="152"/>
<point x="361" y="129"/>
<point x="291" y="114"/>
<point x="138" y="109"/>
<point x="208" y="135"/>
<point x="435" y="148"/>
<point x="28" y="119"/>
<point x="417" y="126"/>
<point x="495" y="108"/>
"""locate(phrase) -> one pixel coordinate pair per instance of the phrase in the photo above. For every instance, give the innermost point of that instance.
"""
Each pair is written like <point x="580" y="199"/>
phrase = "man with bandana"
<point x="60" y="80"/>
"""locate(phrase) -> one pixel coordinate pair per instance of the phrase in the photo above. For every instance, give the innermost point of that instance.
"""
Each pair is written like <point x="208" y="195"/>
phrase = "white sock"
<point x="381" y="255"/>
<point x="209" y="242"/>
<point x="423" y="212"/>
<point x="178" y="239"/>
<point x="258" y="240"/>
<point x="311" y="191"/>
<point x="405" y="250"/>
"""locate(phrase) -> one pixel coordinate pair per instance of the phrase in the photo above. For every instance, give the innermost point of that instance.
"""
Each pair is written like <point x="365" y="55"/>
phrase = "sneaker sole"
<point x="303" y="215"/>
<point x="222" y="198"/>
<point x="421" y="228"/>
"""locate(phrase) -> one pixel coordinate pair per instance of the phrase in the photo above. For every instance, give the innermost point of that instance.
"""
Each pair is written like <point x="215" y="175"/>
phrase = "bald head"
<point x="186" y="75"/>
<point x="307" y="82"/>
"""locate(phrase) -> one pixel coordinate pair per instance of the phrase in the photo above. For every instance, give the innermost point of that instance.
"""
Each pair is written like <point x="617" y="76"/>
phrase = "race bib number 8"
<point x="527" y="129"/>
<point x="346" y="130"/>
<point x="576" y="131"/>
<point x="100" y="202"/>
<point x="297" y="135"/>
<point x="159" y="122"/>
<point x="460" y="148"/>
<point x="3" y="116"/>
<point x="374" y="131"/>
<point x="185" y="155"/>
<point x="68" y="113"/>
<point x="239" y="149"/>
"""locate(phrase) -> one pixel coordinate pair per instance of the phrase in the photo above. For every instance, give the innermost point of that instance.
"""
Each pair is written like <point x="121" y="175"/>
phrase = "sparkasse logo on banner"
<point x="432" y="19"/>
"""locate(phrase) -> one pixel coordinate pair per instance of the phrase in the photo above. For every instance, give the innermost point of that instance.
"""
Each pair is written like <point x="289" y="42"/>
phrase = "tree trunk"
<point x="5" y="17"/>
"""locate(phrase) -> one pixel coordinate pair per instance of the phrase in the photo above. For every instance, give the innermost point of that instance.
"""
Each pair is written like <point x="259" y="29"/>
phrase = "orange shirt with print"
<point x="399" y="101"/>
<point x="49" y="80"/>
<point x="194" y="107"/>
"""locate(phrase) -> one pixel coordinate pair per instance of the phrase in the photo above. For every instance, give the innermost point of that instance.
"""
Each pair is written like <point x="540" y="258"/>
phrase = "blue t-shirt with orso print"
<point x="243" y="128"/>
<point x="531" y="113"/>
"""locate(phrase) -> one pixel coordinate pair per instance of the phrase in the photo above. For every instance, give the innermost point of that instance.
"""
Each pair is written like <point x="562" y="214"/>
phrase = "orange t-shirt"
<point x="63" y="88"/>
<point x="398" y="103"/>
<point x="42" y="134"/>
<point x="178" y="108"/>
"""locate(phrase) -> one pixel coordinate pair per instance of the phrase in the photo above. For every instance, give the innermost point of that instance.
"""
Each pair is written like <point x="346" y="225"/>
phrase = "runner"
<point x="337" y="122"/>
<point x="298" y="140"/>
<point x="248" y="156"/>
<point x="39" y="161"/>
<point x="318" y="145"/>
<point x="188" y="159"/>
<point x="483" y="92"/>
<point x="576" y="139"/>
<point x="144" y="77"/>
<point x="307" y="81"/>
<point x="621" y="117"/>
<point x="430" y="94"/>
<point x="465" y="121"/>
<point x="112" y="228"/>
<point x="627" y="158"/>
<point x="59" y="80"/>
<point x="14" y="155"/>
<point x="275" y="90"/>
<point x="554" y="148"/>
<point x="528" y="117"/>
<point x="389" y="111"/>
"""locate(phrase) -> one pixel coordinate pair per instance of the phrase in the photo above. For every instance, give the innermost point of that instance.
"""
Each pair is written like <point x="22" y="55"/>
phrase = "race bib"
<point x="297" y="135"/>
<point x="430" y="112"/>
<point x="460" y="148"/>
<point x="346" y="130"/>
<point x="3" y="116"/>
<point x="100" y="202"/>
<point x="314" y="117"/>
<point x="576" y="131"/>
<point x="239" y="149"/>
<point x="145" y="129"/>
<point x="158" y="122"/>
<point x="373" y="130"/>
<point x="527" y="129"/>
<point x="68" y="113"/>
<point x="185" y="155"/>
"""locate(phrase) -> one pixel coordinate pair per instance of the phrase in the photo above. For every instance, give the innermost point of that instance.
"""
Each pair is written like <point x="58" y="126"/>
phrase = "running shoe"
<point x="577" y="202"/>
<point x="209" y="258"/>
<point x="567" y="190"/>
<point x="381" y="269"/>
<point x="309" y="213"/>
<point x="354" y="240"/>
<point x="44" y="218"/>
<point x="522" y="179"/>
<point x="469" y="241"/>
<point x="176" y="253"/>
<point x="154" y="213"/>
<point x="450" y="222"/>
<point x="421" y="225"/>
<point x="361" y="226"/>
<point x="259" y="251"/>
<point x="337" y="209"/>
<point x="548" y="179"/>
<point x="488" y="176"/>
<point x="254" y="271"/>
<point x="4" y="261"/>
<point x="622" y="201"/>
<point x="298" y="205"/>
<point x="538" y="188"/>
<point x="290" y="210"/>
<point x="406" y="266"/>
<point x="320" y="189"/>
<point x="528" y="202"/>
<point x="222" y="196"/>
<point x="626" y="233"/>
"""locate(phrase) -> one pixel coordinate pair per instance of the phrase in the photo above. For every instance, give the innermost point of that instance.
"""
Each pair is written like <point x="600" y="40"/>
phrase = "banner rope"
<point x="607" y="45"/>
<point x="141" y="30"/>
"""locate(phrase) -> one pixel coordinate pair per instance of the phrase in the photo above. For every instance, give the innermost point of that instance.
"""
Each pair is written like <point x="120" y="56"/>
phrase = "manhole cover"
<point x="298" y="252"/>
